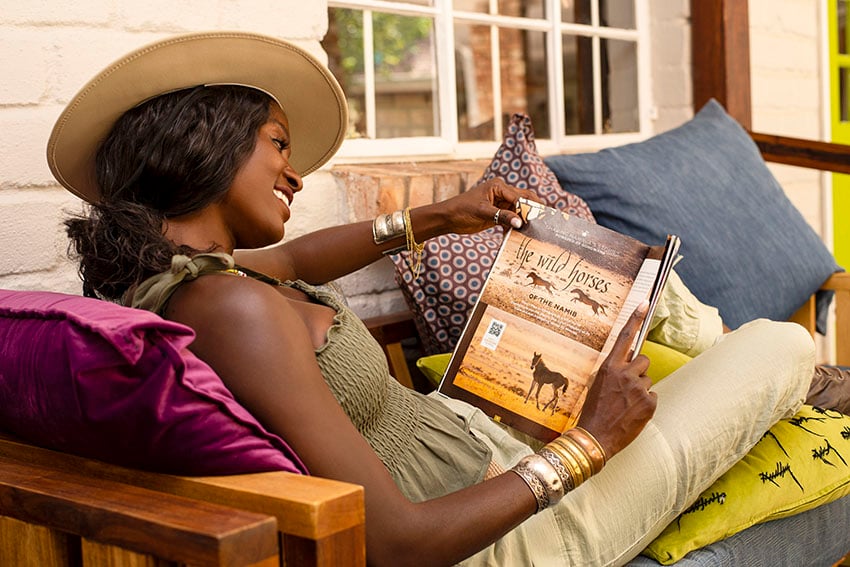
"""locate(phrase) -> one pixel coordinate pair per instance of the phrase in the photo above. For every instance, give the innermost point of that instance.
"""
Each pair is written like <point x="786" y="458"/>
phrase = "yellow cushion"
<point x="663" y="361"/>
<point x="800" y="463"/>
<point x="434" y="366"/>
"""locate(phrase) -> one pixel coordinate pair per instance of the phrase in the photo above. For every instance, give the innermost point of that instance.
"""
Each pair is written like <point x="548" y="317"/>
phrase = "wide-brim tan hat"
<point x="309" y="95"/>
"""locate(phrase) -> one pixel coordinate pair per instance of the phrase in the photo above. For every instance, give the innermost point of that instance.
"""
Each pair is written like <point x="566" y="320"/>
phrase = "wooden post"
<point x="720" y="49"/>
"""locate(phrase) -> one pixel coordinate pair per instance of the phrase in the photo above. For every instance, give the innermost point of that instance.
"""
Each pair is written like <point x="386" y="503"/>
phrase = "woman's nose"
<point x="293" y="178"/>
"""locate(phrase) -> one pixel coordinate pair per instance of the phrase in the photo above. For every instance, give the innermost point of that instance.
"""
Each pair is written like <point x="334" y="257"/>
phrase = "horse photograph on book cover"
<point x="500" y="366"/>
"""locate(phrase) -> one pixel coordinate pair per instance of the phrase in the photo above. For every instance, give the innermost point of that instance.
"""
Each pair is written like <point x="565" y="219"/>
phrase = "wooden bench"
<point x="63" y="510"/>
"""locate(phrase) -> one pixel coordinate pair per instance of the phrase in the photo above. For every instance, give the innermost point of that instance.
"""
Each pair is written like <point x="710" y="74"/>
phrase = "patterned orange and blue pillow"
<point x="455" y="266"/>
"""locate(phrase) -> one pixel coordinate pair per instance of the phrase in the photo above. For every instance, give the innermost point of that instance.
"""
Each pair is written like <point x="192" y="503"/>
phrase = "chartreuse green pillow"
<point x="663" y="361"/>
<point x="800" y="463"/>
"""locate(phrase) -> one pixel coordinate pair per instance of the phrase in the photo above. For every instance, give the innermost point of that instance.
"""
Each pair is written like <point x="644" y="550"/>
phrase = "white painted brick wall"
<point x="48" y="49"/>
<point x="785" y="44"/>
<point x="671" y="63"/>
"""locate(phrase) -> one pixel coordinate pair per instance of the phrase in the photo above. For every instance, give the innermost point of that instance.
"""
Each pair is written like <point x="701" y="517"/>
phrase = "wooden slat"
<point x="806" y="315"/>
<point x="311" y="508"/>
<point x="28" y="545"/>
<point x="96" y="554"/>
<point x="803" y="153"/>
<point x="163" y="525"/>
<point x="840" y="283"/>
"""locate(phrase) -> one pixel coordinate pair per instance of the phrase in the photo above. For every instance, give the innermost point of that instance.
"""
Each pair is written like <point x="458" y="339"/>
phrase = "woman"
<point x="191" y="152"/>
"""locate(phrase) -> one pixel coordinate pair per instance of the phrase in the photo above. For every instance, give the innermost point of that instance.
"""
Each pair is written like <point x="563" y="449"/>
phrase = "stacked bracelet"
<point x="388" y="226"/>
<point x="543" y="480"/>
<point x="590" y="446"/>
<point x="561" y="466"/>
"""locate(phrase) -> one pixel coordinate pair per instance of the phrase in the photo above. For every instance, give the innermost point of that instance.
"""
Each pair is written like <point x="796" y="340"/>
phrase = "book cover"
<point x="555" y="300"/>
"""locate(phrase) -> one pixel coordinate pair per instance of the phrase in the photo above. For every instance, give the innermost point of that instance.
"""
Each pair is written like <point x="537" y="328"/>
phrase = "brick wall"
<point x="785" y="43"/>
<point x="49" y="49"/>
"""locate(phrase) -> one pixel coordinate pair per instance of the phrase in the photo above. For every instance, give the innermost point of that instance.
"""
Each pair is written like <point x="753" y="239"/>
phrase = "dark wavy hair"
<point x="170" y="156"/>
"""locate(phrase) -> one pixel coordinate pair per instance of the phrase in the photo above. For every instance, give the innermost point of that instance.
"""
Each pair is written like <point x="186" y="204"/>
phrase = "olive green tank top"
<point x="427" y="448"/>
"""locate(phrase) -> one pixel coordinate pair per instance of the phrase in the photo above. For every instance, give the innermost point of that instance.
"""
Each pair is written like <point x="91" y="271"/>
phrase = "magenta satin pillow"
<point x="117" y="384"/>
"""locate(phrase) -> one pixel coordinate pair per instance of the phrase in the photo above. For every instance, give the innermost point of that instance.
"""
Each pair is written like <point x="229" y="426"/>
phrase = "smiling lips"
<point x="283" y="195"/>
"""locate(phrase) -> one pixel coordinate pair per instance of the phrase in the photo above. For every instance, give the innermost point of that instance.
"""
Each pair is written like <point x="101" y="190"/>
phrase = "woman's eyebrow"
<point x="281" y="124"/>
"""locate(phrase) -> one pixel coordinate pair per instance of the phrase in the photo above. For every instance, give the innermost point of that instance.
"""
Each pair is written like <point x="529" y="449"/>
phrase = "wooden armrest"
<point x="839" y="281"/>
<point x="812" y="154"/>
<point x="840" y="284"/>
<point x="322" y="521"/>
<point x="147" y="522"/>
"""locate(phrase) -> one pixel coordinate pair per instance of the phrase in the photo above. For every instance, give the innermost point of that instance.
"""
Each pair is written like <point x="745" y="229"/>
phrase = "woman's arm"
<point x="257" y="342"/>
<point x="330" y="253"/>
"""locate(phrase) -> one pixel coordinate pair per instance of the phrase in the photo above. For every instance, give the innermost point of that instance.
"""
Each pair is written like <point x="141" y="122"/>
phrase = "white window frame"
<point x="447" y="146"/>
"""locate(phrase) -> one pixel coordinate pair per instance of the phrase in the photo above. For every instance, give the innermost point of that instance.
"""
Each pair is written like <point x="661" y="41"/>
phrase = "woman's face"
<point x="257" y="204"/>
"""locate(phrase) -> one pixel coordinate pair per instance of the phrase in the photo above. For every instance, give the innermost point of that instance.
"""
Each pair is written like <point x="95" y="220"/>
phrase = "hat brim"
<point x="308" y="93"/>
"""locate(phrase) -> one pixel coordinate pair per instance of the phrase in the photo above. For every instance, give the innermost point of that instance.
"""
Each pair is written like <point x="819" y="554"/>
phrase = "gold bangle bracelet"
<point x="570" y="463"/>
<point x="583" y="458"/>
<point x="590" y="445"/>
<point x="416" y="250"/>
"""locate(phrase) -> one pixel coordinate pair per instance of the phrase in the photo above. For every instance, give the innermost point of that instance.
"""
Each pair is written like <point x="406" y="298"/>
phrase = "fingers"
<point x="623" y="346"/>
<point x="504" y="198"/>
<point x="506" y="217"/>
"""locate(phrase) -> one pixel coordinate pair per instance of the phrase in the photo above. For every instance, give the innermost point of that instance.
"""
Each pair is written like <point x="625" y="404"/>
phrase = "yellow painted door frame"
<point x="839" y="87"/>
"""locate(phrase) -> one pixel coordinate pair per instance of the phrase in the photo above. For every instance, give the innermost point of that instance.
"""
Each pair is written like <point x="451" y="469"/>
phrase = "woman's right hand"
<point x="619" y="403"/>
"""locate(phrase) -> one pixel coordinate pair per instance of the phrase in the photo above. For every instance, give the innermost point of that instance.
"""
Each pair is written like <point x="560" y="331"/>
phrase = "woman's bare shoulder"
<point x="225" y="299"/>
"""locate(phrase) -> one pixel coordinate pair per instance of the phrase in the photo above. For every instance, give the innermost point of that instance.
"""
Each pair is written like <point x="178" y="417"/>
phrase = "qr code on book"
<point x="493" y="334"/>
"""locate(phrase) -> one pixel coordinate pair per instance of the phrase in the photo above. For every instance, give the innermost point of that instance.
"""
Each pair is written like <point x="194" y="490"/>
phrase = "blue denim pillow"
<point x="746" y="249"/>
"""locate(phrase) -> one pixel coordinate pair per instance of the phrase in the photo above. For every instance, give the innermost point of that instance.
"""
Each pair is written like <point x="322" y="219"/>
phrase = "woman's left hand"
<point x="487" y="204"/>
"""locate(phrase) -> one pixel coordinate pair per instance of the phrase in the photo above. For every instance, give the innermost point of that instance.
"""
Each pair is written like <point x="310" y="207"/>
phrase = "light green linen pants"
<point x="710" y="413"/>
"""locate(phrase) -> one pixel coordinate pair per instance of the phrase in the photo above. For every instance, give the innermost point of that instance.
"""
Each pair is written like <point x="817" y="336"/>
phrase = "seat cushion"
<point x="746" y="249"/>
<point x="117" y="384"/>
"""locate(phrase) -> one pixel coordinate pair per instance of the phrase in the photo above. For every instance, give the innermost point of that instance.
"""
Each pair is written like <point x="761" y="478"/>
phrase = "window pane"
<point x="842" y="26"/>
<point x="525" y="77"/>
<point x="522" y="8"/>
<point x="405" y="76"/>
<point x="482" y="6"/>
<point x="344" y="46"/>
<point x="474" y="82"/>
<point x="578" y="85"/>
<point x="523" y="81"/>
<point x="617" y="13"/>
<point x="575" y="11"/>
<point x="843" y="84"/>
<point x="405" y="72"/>
<point x="619" y="86"/>
<point x="418" y="2"/>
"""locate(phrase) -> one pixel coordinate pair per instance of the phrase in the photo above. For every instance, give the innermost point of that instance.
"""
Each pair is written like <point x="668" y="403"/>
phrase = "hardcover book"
<point x="559" y="293"/>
